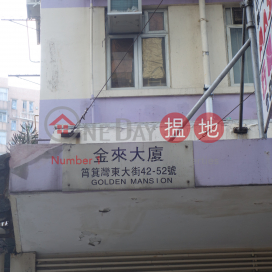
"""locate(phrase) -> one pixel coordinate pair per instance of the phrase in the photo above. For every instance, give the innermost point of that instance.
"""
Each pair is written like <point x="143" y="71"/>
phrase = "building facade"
<point x="79" y="55"/>
<point x="17" y="107"/>
<point x="114" y="195"/>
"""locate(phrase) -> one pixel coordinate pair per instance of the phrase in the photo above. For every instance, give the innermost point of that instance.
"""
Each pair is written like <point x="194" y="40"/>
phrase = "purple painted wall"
<point x="136" y="109"/>
<point x="32" y="170"/>
<point x="233" y="162"/>
<point x="103" y="3"/>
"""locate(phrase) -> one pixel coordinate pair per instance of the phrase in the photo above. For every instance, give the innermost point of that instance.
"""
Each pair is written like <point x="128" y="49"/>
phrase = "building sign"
<point x="122" y="166"/>
<point x="264" y="40"/>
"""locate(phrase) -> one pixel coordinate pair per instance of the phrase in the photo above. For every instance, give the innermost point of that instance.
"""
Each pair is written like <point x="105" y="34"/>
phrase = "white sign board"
<point x="264" y="40"/>
<point x="122" y="166"/>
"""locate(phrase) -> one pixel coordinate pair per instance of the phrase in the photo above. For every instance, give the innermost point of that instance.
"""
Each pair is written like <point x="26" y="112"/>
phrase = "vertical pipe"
<point x="255" y="66"/>
<point x="205" y="53"/>
<point x="242" y="73"/>
<point x="91" y="58"/>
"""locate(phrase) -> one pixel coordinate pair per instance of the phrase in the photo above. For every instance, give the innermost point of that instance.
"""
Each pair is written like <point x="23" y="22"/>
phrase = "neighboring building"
<point x="116" y="196"/>
<point x="17" y="107"/>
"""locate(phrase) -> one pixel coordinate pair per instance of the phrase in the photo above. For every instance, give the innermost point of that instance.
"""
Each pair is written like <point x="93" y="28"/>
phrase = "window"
<point x="146" y="63"/>
<point x="3" y="94"/>
<point x="3" y="137"/>
<point x="234" y="36"/>
<point x="30" y="106"/>
<point x="124" y="5"/>
<point x="24" y="105"/>
<point x="13" y="125"/>
<point x="14" y="104"/>
<point x="3" y="116"/>
<point x="23" y="127"/>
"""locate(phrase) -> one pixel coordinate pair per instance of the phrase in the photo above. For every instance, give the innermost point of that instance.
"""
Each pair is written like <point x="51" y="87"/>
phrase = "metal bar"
<point x="23" y="75"/>
<point x="255" y="66"/>
<point x="242" y="72"/>
<point x="152" y="268"/>
<point x="218" y="80"/>
<point x="157" y="256"/>
<point x="192" y="262"/>
<point x="17" y="19"/>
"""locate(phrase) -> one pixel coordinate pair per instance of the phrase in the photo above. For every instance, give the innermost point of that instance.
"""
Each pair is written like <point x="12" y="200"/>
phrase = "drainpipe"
<point x="91" y="58"/>
<point x="205" y="54"/>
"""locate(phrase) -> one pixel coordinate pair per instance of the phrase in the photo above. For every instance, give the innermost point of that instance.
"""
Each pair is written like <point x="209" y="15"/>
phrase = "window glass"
<point x="23" y="126"/>
<point x="3" y="137"/>
<point x="3" y="94"/>
<point x="31" y="106"/>
<point x="3" y="116"/>
<point x="146" y="62"/>
<point x="156" y="21"/>
<point x="237" y="16"/>
<point x="236" y="44"/>
<point x="228" y="16"/>
<point x="124" y="5"/>
<point x="153" y="58"/>
<point x="13" y="125"/>
<point x="24" y="105"/>
<point x="124" y="75"/>
<point x="14" y="104"/>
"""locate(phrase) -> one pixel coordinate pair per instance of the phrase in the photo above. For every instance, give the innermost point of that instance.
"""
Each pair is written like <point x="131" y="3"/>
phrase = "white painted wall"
<point x="65" y="53"/>
<point x="67" y="63"/>
<point x="185" y="47"/>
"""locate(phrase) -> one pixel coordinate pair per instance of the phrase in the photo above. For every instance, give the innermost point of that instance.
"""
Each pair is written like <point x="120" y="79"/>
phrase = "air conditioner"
<point x="124" y="16"/>
<point x="32" y="1"/>
<point x="33" y="9"/>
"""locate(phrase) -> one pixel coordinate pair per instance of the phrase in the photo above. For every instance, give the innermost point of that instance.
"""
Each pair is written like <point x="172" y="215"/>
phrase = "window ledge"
<point x="170" y="91"/>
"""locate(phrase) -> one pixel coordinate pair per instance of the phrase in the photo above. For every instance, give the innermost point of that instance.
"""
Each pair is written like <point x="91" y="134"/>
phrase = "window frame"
<point x="229" y="48"/>
<point x="30" y="103"/>
<point x="165" y="21"/>
<point x="24" y="109"/>
<point x="7" y="91"/>
<point x="138" y="79"/>
<point x="14" y="100"/>
<point x="23" y="124"/>
<point x="13" y="122"/>
<point x="4" y="132"/>
<point x="6" y="113"/>
<point x="109" y="72"/>
<point x="140" y="55"/>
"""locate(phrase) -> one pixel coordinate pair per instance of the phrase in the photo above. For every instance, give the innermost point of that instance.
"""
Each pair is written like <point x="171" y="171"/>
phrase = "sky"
<point x="14" y="50"/>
